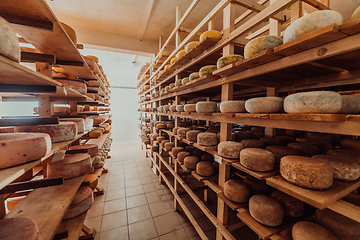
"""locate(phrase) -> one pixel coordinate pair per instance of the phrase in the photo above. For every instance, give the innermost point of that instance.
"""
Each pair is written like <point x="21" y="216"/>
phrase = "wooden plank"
<point x="350" y="27"/>
<point x="37" y="57"/>
<point x="193" y="53"/>
<point x="258" y="175"/>
<point x="347" y="209"/>
<point x="202" y="178"/>
<point x="206" y="43"/>
<point x="224" y="114"/>
<point x="34" y="184"/>
<point x="310" y="117"/>
<point x="261" y="58"/>
<point x="28" y="121"/>
<point x="28" y="22"/>
<point x="249" y="115"/>
<point x="199" y="81"/>
<point x="230" y="204"/>
<point x="205" y="149"/>
<point x="256" y="7"/>
<point x="353" y="118"/>
<point x="187" y="141"/>
<point x="313" y="39"/>
<point x="73" y="226"/>
<point x="316" y="4"/>
<point x="317" y="198"/>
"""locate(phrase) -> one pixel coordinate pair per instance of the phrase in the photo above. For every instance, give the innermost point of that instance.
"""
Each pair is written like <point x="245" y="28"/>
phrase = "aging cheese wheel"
<point x="169" y="146"/>
<point x="311" y="22"/>
<point x="230" y="149"/>
<point x="164" y="53"/>
<point x="305" y="149"/>
<point x="355" y="156"/>
<point x="178" y="82"/>
<point x="80" y="123"/>
<point x="285" y="140"/>
<point x="264" y="105"/>
<point x="240" y="135"/>
<point x="319" y="137"/>
<point x="322" y="146"/>
<point x="257" y="159"/>
<point x="181" y="156"/>
<point x="9" y="43"/>
<point x="170" y="125"/>
<point x="210" y="34"/>
<point x="350" y="104"/>
<point x="194" y="76"/>
<point x="166" y="107"/>
<point x="207" y="157"/>
<point x="304" y="230"/>
<point x="229" y="59"/>
<point x="190" y="108"/>
<point x="76" y="85"/>
<point x="185" y="80"/>
<point x="181" y="132"/>
<point x="180" y="108"/>
<point x="19" y="228"/>
<point x="93" y="179"/>
<point x="192" y="135"/>
<point x="281" y="151"/>
<point x="236" y="191"/>
<point x="260" y="44"/>
<point x="342" y="227"/>
<point x="207" y="70"/>
<point x="174" y="130"/>
<point x="191" y="161"/>
<point x="252" y="143"/>
<point x="20" y="148"/>
<point x="163" y="142"/>
<point x="356" y="13"/>
<point x="190" y="46"/>
<point x="88" y="124"/>
<point x="93" y="83"/>
<point x="99" y="165"/>
<point x="293" y="207"/>
<point x="313" y="102"/>
<point x="207" y="139"/>
<point x="167" y="88"/>
<point x="350" y="144"/>
<point x="206" y="107"/>
<point x="232" y="107"/>
<point x="97" y="132"/>
<point x="256" y="134"/>
<point x="173" y="60"/>
<point x="70" y="32"/>
<point x="171" y="85"/>
<point x="266" y="210"/>
<point x="180" y="54"/>
<point x="92" y="149"/>
<point x="160" y="139"/>
<point x="176" y="150"/>
<point x="257" y="186"/>
<point x="305" y="172"/>
<point x="155" y="148"/>
<point x="82" y="202"/>
<point x="270" y="141"/>
<point x="160" y="126"/>
<point x="205" y="169"/>
<point x="72" y="166"/>
<point x="190" y="149"/>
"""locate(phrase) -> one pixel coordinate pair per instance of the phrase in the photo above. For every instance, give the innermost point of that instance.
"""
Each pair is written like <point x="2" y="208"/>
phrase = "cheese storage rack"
<point x="321" y="60"/>
<point x="37" y="25"/>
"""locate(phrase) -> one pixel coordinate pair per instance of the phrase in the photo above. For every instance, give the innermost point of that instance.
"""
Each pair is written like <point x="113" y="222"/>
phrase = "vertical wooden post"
<point x="275" y="26"/>
<point x="211" y="25"/>
<point x="160" y="43"/>
<point x="73" y="108"/>
<point x="44" y="106"/>
<point x="178" y="17"/>
<point x="296" y="10"/>
<point x="2" y="206"/>
<point x="270" y="92"/>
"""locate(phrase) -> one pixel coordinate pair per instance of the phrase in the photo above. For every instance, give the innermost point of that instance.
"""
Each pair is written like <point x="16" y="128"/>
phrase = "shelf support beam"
<point x="28" y="22"/>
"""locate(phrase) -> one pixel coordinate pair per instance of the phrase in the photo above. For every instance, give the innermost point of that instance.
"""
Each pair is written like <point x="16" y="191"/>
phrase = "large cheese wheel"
<point x="180" y="108"/>
<point x="180" y="54"/>
<point x="205" y="169"/>
<point x="305" y="149"/>
<point x="19" y="228"/>
<point x="190" y="46"/>
<point x="169" y="146"/>
<point x="70" y="32"/>
<point x="285" y="140"/>
<point x="270" y="141"/>
<point x="210" y="34"/>
<point x="192" y="135"/>
<point x="252" y="143"/>
<point x="293" y="207"/>
<point x="344" y="169"/>
<point x="264" y="105"/>
<point x="181" y="132"/>
<point x="260" y="44"/>
<point x="72" y="166"/>
<point x="191" y="161"/>
<point x="313" y="102"/>
<point x="82" y="202"/>
<point x="173" y="60"/>
<point x="174" y="130"/>
<point x="166" y="107"/>
<point x="207" y="139"/>
<point x="9" y="46"/>
<point x="236" y="191"/>
<point x="257" y="159"/>
<point x="206" y="107"/>
<point x="7" y="129"/>
<point x="182" y="155"/>
<point x="256" y="134"/>
<point x="232" y="106"/>
<point x="342" y="227"/>
<point x="93" y="179"/>
<point x="305" y="172"/>
<point x="80" y="123"/>
<point x="350" y="144"/>
<point x="92" y="149"/>
<point x="176" y="150"/>
<point x="190" y="108"/>
<point x="207" y="70"/>
<point x="350" y="104"/>
<point x="304" y="230"/>
<point x="257" y="186"/>
<point x="229" y="59"/>
<point x="19" y="148"/>
<point x="266" y="210"/>
<point x="230" y="149"/>
<point x="281" y="151"/>
<point x="185" y="80"/>
<point x="76" y="85"/>
<point x="194" y="76"/>
<point x="240" y="135"/>
<point x="355" y="156"/>
<point x="311" y="22"/>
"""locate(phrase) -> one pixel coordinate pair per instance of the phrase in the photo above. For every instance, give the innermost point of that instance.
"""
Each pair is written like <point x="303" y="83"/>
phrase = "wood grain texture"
<point x="258" y="175"/>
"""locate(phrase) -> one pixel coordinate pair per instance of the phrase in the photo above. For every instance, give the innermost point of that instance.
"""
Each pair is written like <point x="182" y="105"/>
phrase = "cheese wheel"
<point x="350" y="144"/>
<point x="232" y="107"/>
<point x="160" y="139"/>
<point x="206" y="107"/>
<point x="9" y="42"/>
<point x="356" y="13"/>
<point x="82" y="202"/>
<point x="207" y="70"/>
<point x="19" y="228"/>
<point x="260" y="44"/>
<point x="178" y="82"/>
<point x="192" y="135"/>
<point x="266" y="210"/>
<point x="311" y="22"/>
<point x="155" y="148"/>
<point x="207" y="139"/>
<point x="92" y="149"/>
<point x="230" y="149"/>
<point x="166" y="108"/>
<point x="160" y="126"/>
<point x="319" y="137"/>
<point x="304" y="230"/>
<point x="281" y="151"/>
<point x="355" y="156"/>
<point x="93" y="179"/>
<point x="180" y="108"/>
<point x="257" y="159"/>
<point x="313" y="102"/>
<point x="198" y="153"/>
<point x="190" y="46"/>
<point x="97" y="132"/>
<point x="305" y="172"/>
<point x="342" y="227"/>
<point x="76" y="85"/>
<point x="181" y="156"/>
<point x="175" y="130"/>
<point x="163" y="142"/>
<point x="169" y="146"/>
<point x="93" y="83"/>
<point x="191" y="161"/>
<point x="252" y="143"/>
<point x="7" y="129"/>
<point x="190" y="149"/>
<point x="70" y="32"/>
<point x="344" y="169"/>
<point x="236" y="191"/>
<point x="185" y="80"/>
<point x="176" y="150"/>
<point x="322" y="146"/>
<point x="210" y="34"/>
<point x="229" y="59"/>
<point x="194" y="76"/>
<point x="167" y="88"/>
<point x="167" y="66"/>
<point x="181" y="132"/>
<point x="180" y="54"/>
<point x="264" y="105"/>
<point x="207" y="157"/>
<point x="350" y="104"/>
<point x="80" y="123"/>
<point x="170" y="125"/>
<point x="72" y="166"/>
<point x="205" y="169"/>
<point x="97" y="159"/>
<point x="240" y="135"/>
<point x="257" y="186"/>
<point x="293" y="207"/>
<point x="305" y="149"/>
<point x="190" y="108"/>
<point x="173" y="60"/>
<point x="99" y="165"/>
<point x="270" y="141"/>
<point x="171" y="85"/>
<point x="285" y="140"/>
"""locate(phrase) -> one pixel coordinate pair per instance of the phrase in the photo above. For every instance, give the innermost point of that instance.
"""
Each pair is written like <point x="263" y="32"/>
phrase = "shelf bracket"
<point x="28" y="22"/>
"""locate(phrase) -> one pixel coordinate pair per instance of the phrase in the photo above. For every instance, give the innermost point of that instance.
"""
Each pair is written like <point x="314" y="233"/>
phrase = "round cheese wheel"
<point x="190" y="46"/>
<point x="167" y="66"/>
<point x="319" y="137"/>
<point x="181" y="132"/>
<point x="206" y="107"/>
<point x="80" y="123"/>
<point x="92" y="149"/>
<point x="93" y="83"/>
<point x="97" y="159"/>
<point x="178" y="82"/>
<point x="260" y="44"/>
<point x="180" y="108"/>
<point x="82" y="202"/>
<point x="240" y="135"/>
<point x="230" y="149"/>
<point x="252" y="143"/>
<point x="264" y="105"/>
<point x="170" y="125"/>
<point x="190" y="108"/>
<point x="160" y="126"/>
<point x="160" y="139"/>
<point x="207" y="157"/>
<point x="9" y="42"/>
<point x="207" y="139"/>
<point x="257" y="159"/>
<point x="350" y="144"/>
<point x="93" y="58"/>
<point x="185" y="80"/>
<point x="194" y="76"/>
<point x="171" y="85"/>
<point x="72" y="166"/>
<point x="169" y="146"/>
<point x="285" y="140"/>
<point x="322" y="146"/>
<point x="311" y="22"/>
<point x="180" y="54"/>
<point x="304" y="230"/>
<point x="164" y="53"/>
<point x="76" y="85"/>
<point x="210" y="34"/>
<point x="313" y="102"/>
<point x="173" y="60"/>
<point x="198" y="153"/>
<point x="229" y="59"/>
<point x="70" y="32"/>
<point x="305" y="172"/>
<point x="191" y="161"/>
<point x="19" y="228"/>
<point x="20" y="148"/>
<point x="163" y="142"/>
<point x="155" y="148"/>
<point x="176" y="150"/>
<point x="181" y="156"/>
<point x="305" y="149"/>
<point x="192" y="135"/>
<point x="207" y="70"/>
<point x="205" y="169"/>
<point x="281" y="151"/>
<point x="236" y="191"/>
<point x="167" y="88"/>
<point x="257" y="186"/>
<point x="270" y="141"/>
<point x="93" y="179"/>
<point x="99" y="165"/>
<point x="266" y="210"/>
<point x="190" y="149"/>
<point x="293" y="207"/>
<point x="356" y="13"/>
<point x="350" y="104"/>
<point x="232" y="107"/>
<point x="345" y="153"/>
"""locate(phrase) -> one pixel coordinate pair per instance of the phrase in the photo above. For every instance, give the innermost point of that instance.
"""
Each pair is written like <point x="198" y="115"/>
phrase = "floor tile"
<point x="191" y="232"/>
<point x="113" y="220"/>
<point x="149" y="179"/>
<point x="114" y="194"/>
<point x="142" y="230"/>
<point x="94" y="222"/>
<point x="116" y="178"/>
<point x="136" y="201"/>
<point x="151" y="187"/>
<point x="95" y="210"/>
<point x="133" y="191"/>
<point x="115" y="234"/>
<point x="156" y="196"/>
<point x="159" y="208"/>
<point x="167" y="223"/>
<point x="116" y="185"/>
<point x="99" y="198"/>
<point x="114" y="205"/>
<point x="178" y="235"/>
<point x="132" y="182"/>
<point x="138" y="214"/>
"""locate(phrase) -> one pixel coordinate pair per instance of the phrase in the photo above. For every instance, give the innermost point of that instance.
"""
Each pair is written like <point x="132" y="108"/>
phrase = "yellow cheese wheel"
<point x="185" y="80"/>
<point x="207" y="70"/>
<point x="173" y="60"/>
<point x="180" y="54"/>
<point x="93" y="58"/>
<point x="167" y="66"/>
<point x="93" y="83"/>
<point x="190" y="46"/>
<point x="93" y="179"/>
<point x="260" y="44"/>
<point x="70" y="31"/>
<point x="356" y="13"/>
<point x="210" y="34"/>
<point x="147" y="87"/>
<point x="171" y="85"/>
<point x="167" y="88"/>
<point x="165" y="53"/>
<point x="226" y="60"/>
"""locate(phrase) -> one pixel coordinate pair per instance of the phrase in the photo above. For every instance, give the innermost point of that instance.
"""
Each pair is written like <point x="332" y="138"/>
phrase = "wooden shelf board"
<point x="188" y="142"/>
<point x="199" y="81"/>
<point x="206" y="43"/>
<point x="213" y="186"/>
<point x="224" y="114"/>
<point x="230" y="204"/>
<point x="98" y="141"/>
<point x="168" y="132"/>
<point x="74" y="226"/>
<point x="261" y="58"/>
<point x="310" y="117"/>
<point x="91" y="112"/>
<point x="183" y="166"/>
<point x="258" y="175"/>
<point x="201" y="178"/>
<point x="250" y="115"/>
<point x="227" y="70"/>
<point x="193" y="53"/>
<point x="350" y="27"/>
<point x="353" y="118"/>
<point x="317" y="198"/>
<point x="205" y="149"/>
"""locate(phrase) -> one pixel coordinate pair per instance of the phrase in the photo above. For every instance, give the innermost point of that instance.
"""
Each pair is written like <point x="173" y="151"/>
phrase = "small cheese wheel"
<point x="164" y="53"/>
<point x="355" y="156"/>
<point x="257" y="186"/>
<point x="240" y="135"/>
<point x="230" y="149"/>
<point x="207" y="157"/>
<point x="19" y="228"/>
<point x="72" y="166"/>
<point x="270" y="141"/>
<point x="313" y="102"/>
<point x="166" y="108"/>
<point x="260" y="44"/>
<point x="350" y="104"/>
<point x="305" y="172"/>
<point x="173" y="60"/>
<point x="167" y="66"/>
<point x="281" y="151"/>
<point x="252" y="143"/>
<point x="76" y="85"/>
<point x="185" y="80"/>
<point x="194" y="76"/>
<point x="232" y="107"/>
<point x="93" y="83"/>
<point x="96" y="59"/>
<point x="285" y="139"/>
<point x="169" y="146"/>
<point x="350" y="144"/>
<point x="180" y="54"/>
<point x="163" y="142"/>
<point x="190" y="149"/>
<point x="264" y="105"/>
<point x="192" y="135"/>
<point x="305" y="149"/>
<point x="190" y="108"/>
<point x="172" y="108"/>
<point x="207" y="139"/>
<point x="92" y="149"/>
<point x="160" y="139"/>
<point x="236" y="191"/>
<point x="190" y="46"/>
<point x="178" y="82"/>
<point x="229" y="59"/>
<point x="181" y="156"/>
<point x="9" y="42"/>
<point x="266" y="210"/>
<point x="82" y="202"/>
<point x="257" y="159"/>
<point x="92" y="179"/>
<point x="311" y="22"/>
<point x="304" y="230"/>
<point x="167" y="88"/>
<point x="322" y="146"/>
<point x="207" y="70"/>
<point x="154" y="136"/>
<point x="206" y="107"/>
<point x="160" y="126"/>
<point x="176" y="150"/>
<point x="175" y="130"/>
<point x="100" y="164"/>
<point x="190" y="162"/>
<point x="171" y="85"/>
<point x="293" y="207"/>
<point x="210" y="34"/>
<point x="181" y="132"/>
<point x="205" y="169"/>
<point x="180" y="108"/>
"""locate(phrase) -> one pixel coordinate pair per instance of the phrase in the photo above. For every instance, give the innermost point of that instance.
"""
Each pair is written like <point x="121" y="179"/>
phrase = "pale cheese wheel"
<point x="9" y="46"/>
<point x="185" y="80"/>
<point x="173" y="60"/>
<point x="93" y="179"/>
<point x="356" y="13"/>
<point x="192" y="135"/>
<point x="229" y="59"/>
<point x="252" y="143"/>
<point x="206" y="107"/>
<point x="160" y="126"/>
<point x="205" y="169"/>
<point x="207" y="70"/>
<point x="210" y="34"/>
<point x="311" y="22"/>
<point x="170" y="125"/>
<point x="281" y="151"/>
<point x="171" y="85"/>
<point x="176" y="150"/>
<point x="182" y="155"/>
<point x="304" y="230"/>
<point x="20" y="148"/>
<point x="194" y="76"/>
<point x="257" y="186"/>
<point x="167" y="88"/>
<point x="180" y="108"/>
<point x="230" y="149"/>
<point x="232" y="107"/>
<point x="90" y="95"/>
<point x="257" y="159"/>
<point x="190" y="46"/>
<point x="175" y="130"/>
<point x="350" y="104"/>
<point x="180" y="54"/>
<point x="207" y="139"/>
<point x="190" y="108"/>
<point x="313" y="102"/>
<point x="178" y="82"/>
<point x="70" y="32"/>
<point x="19" y="228"/>
<point x="266" y="210"/>
<point x="172" y="108"/>
<point x="166" y="107"/>
<point x="82" y="202"/>
<point x="93" y="83"/>
<point x="293" y="207"/>
<point x="92" y="149"/>
<point x="167" y="66"/>
<point x="181" y="132"/>
<point x="305" y="149"/>
<point x="305" y="172"/>
<point x="169" y="146"/>
<point x="350" y="144"/>
<point x="260" y="44"/>
<point x="80" y="123"/>
<point x="191" y="161"/>
<point x="76" y="85"/>
<point x="264" y="105"/>
<point x="99" y="165"/>
<point x="236" y="191"/>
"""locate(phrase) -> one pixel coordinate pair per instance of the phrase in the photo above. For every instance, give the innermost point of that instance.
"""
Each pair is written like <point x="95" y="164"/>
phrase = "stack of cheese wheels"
<point x="305" y="172"/>
<point x="82" y="202"/>
<point x="191" y="161"/>
<point x="252" y="143"/>
<point x="180" y="108"/>
<point x="229" y="59"/>
<point x="293" y="207"/>
<point x="310" y="231"/>
<point x="9" y="43"/>
<point x="19" y="228"/>
<point x="281" y="151"/>
<point x="210" y="34"/>
<point x="305" y="149"/>
<point x="266" y="210"/>
<point x="230" y="149"/>
<point x="80" y="123"/>
<point x="181" y="132"/>
<point x="207" y="70"/>
<point x="192" y="135"/>
<point x="236" y="191"/>
<point x="207" y="139"/>
<point x="257" y="186"/>
<point x="257" y="159"/>
<point x="190" y="108"/>
<point x="182" y="155"/>
<point x="92" y="149"/>
<point x="319" y="137"/>
<point x="311" y="22"/>
<point x="20" y="148"/>
<point x="176" y="150"/>
<point x="194" y="76"/>
<point x="72" y="166"/>
<point x="260" y="44"/>
<point x="76" y="85"/>
<point x="205" y="168"/>
<point x="264" y="105"/>
<point x="190" y="46"/>
<point x="350" y="104"/>
<point x="206" y="107"/>
<point x="185" y="80"/>
<point x="232" y="107"/>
